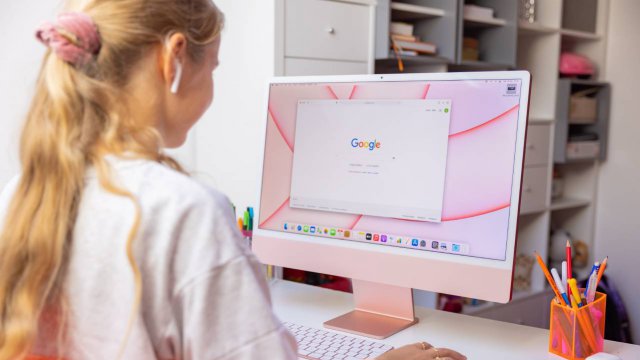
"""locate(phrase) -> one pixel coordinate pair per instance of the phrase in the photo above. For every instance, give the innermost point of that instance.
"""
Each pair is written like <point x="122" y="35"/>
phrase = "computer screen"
<point x="421" y="165"/>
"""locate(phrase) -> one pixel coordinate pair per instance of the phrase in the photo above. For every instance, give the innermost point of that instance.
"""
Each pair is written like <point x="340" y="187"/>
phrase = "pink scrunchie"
<point x="73" y="37"/>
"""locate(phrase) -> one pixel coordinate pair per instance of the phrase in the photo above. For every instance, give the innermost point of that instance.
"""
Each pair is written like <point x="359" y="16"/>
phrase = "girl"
<point x="107" y="249"/>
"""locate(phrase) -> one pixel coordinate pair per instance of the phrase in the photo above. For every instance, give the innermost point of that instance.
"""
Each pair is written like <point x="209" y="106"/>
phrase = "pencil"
<point x="601" y="270"/>
<point x="396" y="50"/>
<point x="549" y="278"/>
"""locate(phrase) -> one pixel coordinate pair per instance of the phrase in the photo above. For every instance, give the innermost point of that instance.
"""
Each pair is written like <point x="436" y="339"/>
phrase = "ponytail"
<point x="76" y="118"/>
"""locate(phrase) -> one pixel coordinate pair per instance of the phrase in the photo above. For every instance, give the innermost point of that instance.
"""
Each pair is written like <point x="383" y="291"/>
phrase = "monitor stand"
<point x="380" y="311"/>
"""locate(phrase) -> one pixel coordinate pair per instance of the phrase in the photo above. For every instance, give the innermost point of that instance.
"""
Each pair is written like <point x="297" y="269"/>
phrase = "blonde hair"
<point x="75" y="119"/>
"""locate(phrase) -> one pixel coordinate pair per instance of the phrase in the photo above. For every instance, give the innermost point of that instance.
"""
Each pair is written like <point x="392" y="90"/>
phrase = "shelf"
<point x="540" y="121"/>
<point x="408" y="12"/>
<point x="568" y="203"/>
<point x="483" y="22"/>
<point x="532" y="211"/>
<point x="579" y="35"/>
<point x="413" y="60"/>
<point x="480" y="66"/>
<point x="586" y="82"/>
<point x="527" y="28"/>
<point x="585" y="161"/>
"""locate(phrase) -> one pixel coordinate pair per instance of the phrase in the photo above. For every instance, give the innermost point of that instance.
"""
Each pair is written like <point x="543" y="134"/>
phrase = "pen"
<point x="563" y="292"/>
<point x="564" y="274"/>
<point x="594" y="270"/>
<point x="573" y="284"/>
<point x="240" y="224"/>
<point x="591" y="288"/>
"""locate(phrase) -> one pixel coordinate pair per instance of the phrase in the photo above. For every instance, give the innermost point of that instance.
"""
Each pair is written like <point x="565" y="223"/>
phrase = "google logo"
<point x="365" y="144"/>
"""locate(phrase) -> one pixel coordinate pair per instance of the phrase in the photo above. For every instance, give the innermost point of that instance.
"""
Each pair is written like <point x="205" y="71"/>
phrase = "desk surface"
<point x="474" y="337"/>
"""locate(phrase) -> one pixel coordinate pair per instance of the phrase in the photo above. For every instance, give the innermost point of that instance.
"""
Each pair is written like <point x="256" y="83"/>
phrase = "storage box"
<point x="583" y="110"/>
<point x="577" y="150"/>
<point x="577" y="333"/>
<point x="478" y="12"/>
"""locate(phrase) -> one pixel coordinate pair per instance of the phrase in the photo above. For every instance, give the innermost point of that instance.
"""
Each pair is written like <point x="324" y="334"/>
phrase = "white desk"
<point x="474" y="337"/>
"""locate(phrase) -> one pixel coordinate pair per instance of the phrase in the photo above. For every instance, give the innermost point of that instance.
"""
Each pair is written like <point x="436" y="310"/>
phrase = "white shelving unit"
<point x="538" y="50"/>
<point x="508" y="43"/>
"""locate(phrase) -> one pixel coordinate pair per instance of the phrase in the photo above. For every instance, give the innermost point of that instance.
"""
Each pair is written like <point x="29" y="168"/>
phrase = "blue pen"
<point x="595" y="269"/>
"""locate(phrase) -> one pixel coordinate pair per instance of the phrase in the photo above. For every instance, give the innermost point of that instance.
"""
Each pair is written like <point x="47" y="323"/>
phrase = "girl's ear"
<point x="173" y="60"/>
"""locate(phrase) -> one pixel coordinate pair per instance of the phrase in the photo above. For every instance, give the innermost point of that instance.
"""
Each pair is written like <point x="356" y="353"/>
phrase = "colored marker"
<point x="569" y="268"/>
<point x="573" y="284"/>
<point x="250" y="210"/>
<point x="240" y="224"/>
<point x="561" y="288"/>
<point x="247" y="220"/>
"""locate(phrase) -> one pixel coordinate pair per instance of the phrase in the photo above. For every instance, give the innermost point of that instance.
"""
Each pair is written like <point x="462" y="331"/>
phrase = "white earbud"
<point x="176" y="80"/>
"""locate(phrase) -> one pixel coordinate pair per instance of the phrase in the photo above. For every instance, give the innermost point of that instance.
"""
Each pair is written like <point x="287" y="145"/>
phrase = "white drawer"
<point x="323" y="29"/>
<point x="534" y="189"/>
<point x="537" y="148"/>
<point x="299" y="67"/>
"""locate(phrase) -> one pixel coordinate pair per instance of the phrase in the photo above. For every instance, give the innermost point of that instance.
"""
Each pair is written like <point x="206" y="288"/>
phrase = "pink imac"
<point x="398" y="182"/>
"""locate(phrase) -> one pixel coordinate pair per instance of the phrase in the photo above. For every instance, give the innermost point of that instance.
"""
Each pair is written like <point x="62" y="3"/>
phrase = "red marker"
<point x="569" y="273"/>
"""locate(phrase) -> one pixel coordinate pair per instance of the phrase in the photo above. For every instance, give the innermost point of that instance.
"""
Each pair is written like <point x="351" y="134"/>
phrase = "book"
<point x="401" y="28"/>
<point x="418" y="46"/>
<point x="407" y="53"/>
<point x="404" y="37"/>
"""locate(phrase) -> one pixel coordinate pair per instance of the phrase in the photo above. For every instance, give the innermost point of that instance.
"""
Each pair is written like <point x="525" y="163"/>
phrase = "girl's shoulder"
<point x="157" y="184"/>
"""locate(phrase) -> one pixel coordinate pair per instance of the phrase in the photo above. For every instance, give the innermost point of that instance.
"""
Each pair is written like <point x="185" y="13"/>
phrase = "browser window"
<point x="372" y="157"/>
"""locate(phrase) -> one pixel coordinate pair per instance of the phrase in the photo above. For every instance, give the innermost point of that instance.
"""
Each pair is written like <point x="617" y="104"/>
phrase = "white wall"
<point x="617" y="216"/>
<point x="20" y="59"/>
<point x="229" y="136"/>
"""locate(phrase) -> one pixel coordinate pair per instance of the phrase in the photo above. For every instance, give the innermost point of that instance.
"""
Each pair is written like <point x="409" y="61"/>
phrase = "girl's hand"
<point x="421" y="351"/>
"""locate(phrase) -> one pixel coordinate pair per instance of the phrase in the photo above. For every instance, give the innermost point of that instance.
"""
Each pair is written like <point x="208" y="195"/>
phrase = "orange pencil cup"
<point x="577" y="333"/>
